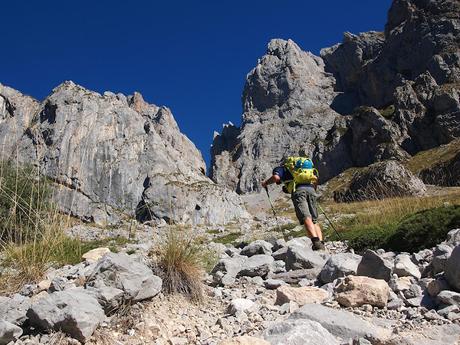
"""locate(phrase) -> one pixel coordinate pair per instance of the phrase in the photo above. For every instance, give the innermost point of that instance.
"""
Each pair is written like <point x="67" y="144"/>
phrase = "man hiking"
<point x="300" y="180"/>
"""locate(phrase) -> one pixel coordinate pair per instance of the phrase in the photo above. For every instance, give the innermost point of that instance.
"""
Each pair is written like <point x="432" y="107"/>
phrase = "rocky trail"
<point x="275" y="292"/>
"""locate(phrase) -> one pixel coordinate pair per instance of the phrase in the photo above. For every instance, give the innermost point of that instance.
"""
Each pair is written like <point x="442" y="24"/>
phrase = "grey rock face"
<point x="435" y="335"/>
<point x="16" y="114"/>
<point x="340" y="323"/>
<point x="299" y="332"/>
<point x="452" y="271"/>
<point x="110" y="155"/>
<point x="285" y="100"/>
<point x="374" y="266"/>
<point x="73" y="311"/>
<point x="9" y="332"/>
<point x="122" y="272"/>
<point x="339" y="265"/>
<point x="405" y="82"/>
<point x="381" y="180"/>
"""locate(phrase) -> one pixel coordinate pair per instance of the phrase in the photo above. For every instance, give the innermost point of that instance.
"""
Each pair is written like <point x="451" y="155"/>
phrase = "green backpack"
<point x="302" y="171"/>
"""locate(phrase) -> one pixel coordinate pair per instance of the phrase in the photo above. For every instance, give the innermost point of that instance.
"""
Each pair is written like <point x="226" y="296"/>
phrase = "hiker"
<point x="300" y="179"/>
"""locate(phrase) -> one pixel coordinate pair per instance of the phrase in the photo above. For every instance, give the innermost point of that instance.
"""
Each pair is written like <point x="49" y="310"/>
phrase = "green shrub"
<point x="420" y="230"/>
<point x="424" y="229"/>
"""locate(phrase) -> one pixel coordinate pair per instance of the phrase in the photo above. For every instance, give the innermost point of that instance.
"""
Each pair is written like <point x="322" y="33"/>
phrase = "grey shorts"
<point x="304" y="200"/>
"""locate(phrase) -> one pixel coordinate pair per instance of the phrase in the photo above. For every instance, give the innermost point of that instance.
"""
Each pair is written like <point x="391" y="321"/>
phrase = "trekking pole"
<point x="273" y="209"/>
<point x="330" y="222"/>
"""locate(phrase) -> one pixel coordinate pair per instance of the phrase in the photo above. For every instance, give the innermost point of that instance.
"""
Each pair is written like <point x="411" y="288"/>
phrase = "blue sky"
<point x="192" y="56"/>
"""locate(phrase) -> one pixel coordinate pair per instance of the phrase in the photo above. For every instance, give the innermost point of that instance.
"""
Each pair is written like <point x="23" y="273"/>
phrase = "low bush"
<point x="414" y="232"/>
<point x="424" y="229"/>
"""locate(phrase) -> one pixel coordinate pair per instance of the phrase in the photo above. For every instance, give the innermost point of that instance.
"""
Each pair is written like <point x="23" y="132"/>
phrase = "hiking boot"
<point x="318" y="245"/>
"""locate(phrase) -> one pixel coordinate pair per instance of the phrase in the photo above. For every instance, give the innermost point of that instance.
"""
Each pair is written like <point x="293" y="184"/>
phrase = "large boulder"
<point x="299" y="332"/>
<point x="299" y="256"/>
<point x="404" y="266"/>
<point x="441" y="254"/>
<point x="434" y="335"/>
<point x="257" y="266"/>
<point x="380" y="180"/>
<point x="354" y="291"/>
<point x="452" y="270"/>
<point x="295" y="276"/>
<point x="339" y="265"/>
<point x="374" y="266"/>
<point x="453" y="237"/>
<point x="444" y="174"/>
<point x="123" y="272"/>
<point x="341" y="323"/>
<point x="74" y="312"/>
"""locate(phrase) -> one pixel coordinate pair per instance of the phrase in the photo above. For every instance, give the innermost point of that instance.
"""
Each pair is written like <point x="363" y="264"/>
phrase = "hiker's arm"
<point x="274" y="179"/>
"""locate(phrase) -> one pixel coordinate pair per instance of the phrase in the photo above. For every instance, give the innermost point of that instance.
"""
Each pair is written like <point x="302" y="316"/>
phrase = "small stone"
<point x="300" y="295"/>
<point x="240" y="305"/>
<point x="95" y="254"/>
<point x="273" y="284"/>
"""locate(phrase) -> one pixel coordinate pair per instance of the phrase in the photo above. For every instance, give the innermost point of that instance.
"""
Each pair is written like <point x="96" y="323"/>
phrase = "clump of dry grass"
<point x="180" y="264"/>
<point x="32" y="234"/>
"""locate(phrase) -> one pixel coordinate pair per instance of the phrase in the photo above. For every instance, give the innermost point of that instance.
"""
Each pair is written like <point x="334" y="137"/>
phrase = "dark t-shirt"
<point x="283" y="173"/>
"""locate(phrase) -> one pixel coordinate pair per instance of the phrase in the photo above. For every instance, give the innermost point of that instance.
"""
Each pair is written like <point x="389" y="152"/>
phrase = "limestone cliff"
<point x="111" y="156"/>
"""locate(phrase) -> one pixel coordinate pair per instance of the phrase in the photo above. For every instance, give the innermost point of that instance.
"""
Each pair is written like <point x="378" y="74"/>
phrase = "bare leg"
<point x="319" y="233"/>
<point x="311" y="228"/>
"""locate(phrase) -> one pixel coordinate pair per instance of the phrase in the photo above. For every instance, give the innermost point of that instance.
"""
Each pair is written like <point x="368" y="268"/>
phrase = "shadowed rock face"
<point x="414" y="66"/>
<point x="397" y="93"/>
<point x="105" y="152"/>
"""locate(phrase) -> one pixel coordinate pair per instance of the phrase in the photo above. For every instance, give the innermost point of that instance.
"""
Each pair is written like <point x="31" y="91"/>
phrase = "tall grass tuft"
<point x="180" y="265"/>
<point x="32" y="237"/>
